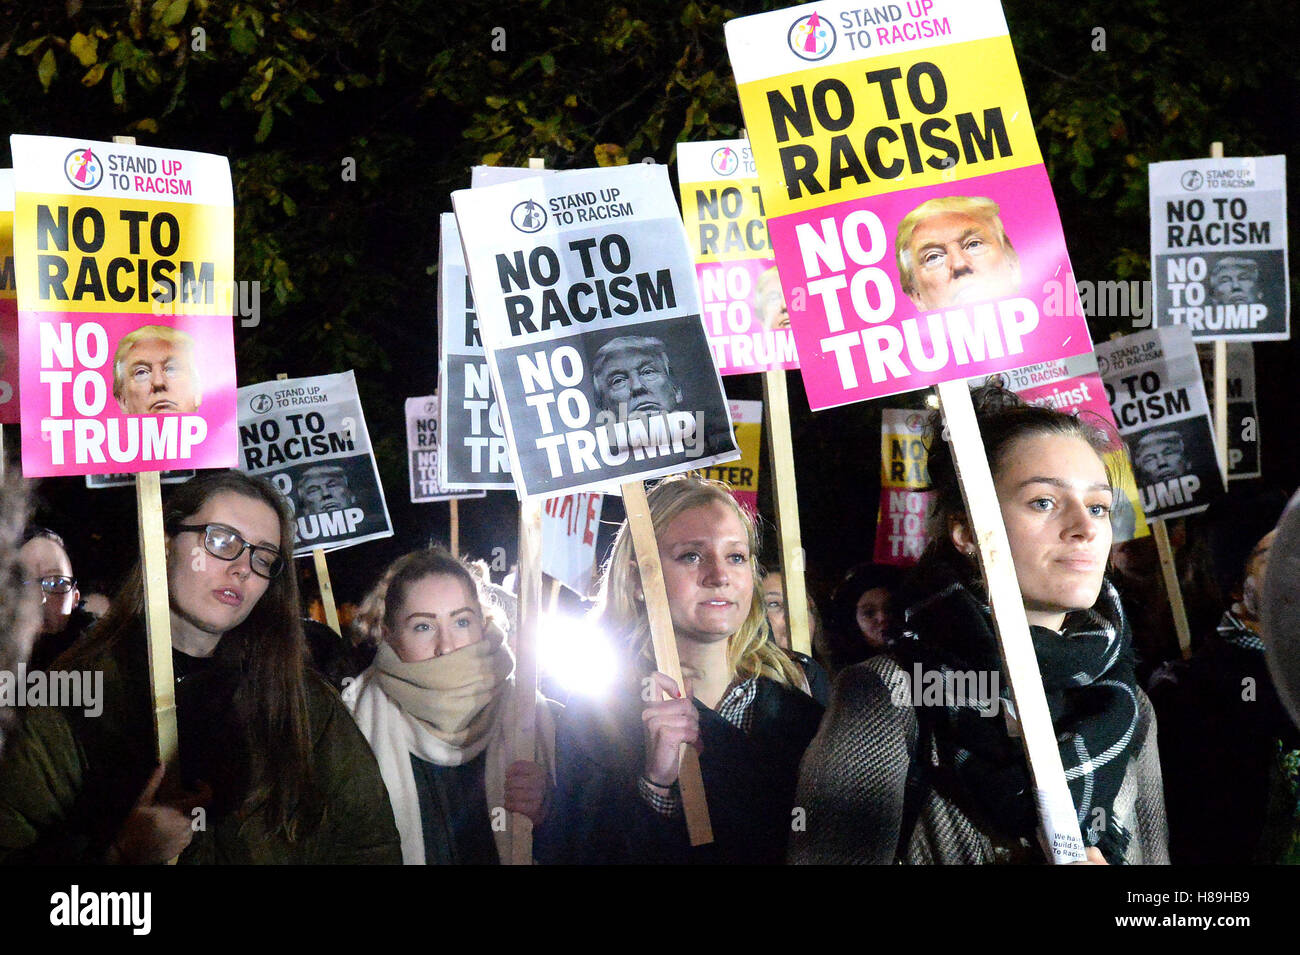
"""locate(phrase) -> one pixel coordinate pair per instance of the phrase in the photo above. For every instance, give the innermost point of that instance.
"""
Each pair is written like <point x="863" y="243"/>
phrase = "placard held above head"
<point x="912" y="219"/>
<point x="745" y="313"/>
<point x="588" y="308"/>
<point x="124" y="257"/>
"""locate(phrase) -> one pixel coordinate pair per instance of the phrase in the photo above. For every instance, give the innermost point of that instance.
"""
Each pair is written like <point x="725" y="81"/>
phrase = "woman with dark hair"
<point x="902" y="770"/>
<point x="745" y="703"/>
<point x="433" y="707"/>
<point x="267" y="751"/>
<point x="862" y="615"/>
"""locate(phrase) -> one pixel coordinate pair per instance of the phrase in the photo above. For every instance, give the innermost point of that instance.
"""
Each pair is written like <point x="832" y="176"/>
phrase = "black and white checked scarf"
<point x="1089" y="681"/>
<point x="1232" y="631"/>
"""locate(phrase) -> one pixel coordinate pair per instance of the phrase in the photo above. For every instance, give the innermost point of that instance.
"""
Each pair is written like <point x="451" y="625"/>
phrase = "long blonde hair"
<point x="750" y="650"/>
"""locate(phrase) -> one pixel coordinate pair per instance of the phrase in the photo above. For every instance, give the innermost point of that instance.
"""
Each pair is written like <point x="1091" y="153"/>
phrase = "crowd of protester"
<point x="392" y="743"/>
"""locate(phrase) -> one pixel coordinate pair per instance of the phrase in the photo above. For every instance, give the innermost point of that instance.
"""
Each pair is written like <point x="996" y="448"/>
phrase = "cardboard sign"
<point x="1218" y="247"/>
<point x="911" y="217"/>
<point x="8" y="304"/>
<point x="588" y="308"/>
<point x="124" y="257"/>
<point x="1073" y="386"/>
<point x="744" y="310"/>
<point x="570" y="525"/>
<point x="1153" y="383"/>
<point x="422" y="452"/>
<point x="309" y="438"/>
<point x="98" y="481"/>
<point x="742" y="475"/>
<point x="473" y="452"/>
<point x="901" y="519"/>
<point x="1243" y="415"/>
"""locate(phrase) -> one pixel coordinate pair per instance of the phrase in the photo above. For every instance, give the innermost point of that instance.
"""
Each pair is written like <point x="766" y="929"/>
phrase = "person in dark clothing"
<point x="863" y="620"/>
<point x="265" y="747"/>
<point x="617" y="798"/>
<point x="898" y="774"/>
<point x="819" y="682"/>
<point x="433" y="706"/>
<point x="1221" y="718"/>
<point x="48" y="570"/>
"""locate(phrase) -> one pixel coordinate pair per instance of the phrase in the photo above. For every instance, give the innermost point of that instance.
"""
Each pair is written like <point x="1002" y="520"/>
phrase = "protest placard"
<point x="742" y="475"/>
<point x="1243" y="415"/>
<point x="1154" y="387"/>
<point x="98" y="481"/>
<point x="309" y="438"/>
<point x="744" y="311"/>
<point x="422" y="452"/>
<point x="911" y="217"/>
<point x="588" y="308"/>
<point x="904" y="503"/>
<point x="8" y="304"/>
<point x="570" y="525"/>
<point x="473" y="451"/>
<point x="1074" y="386"/>
<point x="124" y="258"/>
<point x="1218" y="247"/>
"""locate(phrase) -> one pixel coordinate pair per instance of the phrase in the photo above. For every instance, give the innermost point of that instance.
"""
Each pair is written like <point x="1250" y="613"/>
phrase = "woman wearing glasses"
<point x="272" y="767"/>
<point x="47" y="571"/>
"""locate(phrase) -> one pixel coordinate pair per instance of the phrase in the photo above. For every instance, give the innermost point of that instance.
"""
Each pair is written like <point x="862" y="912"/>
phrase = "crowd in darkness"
<point x="392" y="742"/>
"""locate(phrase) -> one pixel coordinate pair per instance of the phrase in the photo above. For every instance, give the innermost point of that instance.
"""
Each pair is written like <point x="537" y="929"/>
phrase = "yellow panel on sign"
<point x="109" y="255"/>
<point x="724" y="221"/>
<point x="894" y="122"/>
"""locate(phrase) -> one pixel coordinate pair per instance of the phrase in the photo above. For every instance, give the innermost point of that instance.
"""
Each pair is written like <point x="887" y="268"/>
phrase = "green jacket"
<point x="68" y="780"/>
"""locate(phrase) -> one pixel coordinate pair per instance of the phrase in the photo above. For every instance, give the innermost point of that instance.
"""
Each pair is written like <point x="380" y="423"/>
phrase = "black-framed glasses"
<point x="55" y="583"/>
<point x="224" y="543"/>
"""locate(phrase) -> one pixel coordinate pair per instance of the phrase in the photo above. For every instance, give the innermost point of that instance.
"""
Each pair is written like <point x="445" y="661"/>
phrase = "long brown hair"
<point x="267" y="647"/>
<point x="750" y="650"/>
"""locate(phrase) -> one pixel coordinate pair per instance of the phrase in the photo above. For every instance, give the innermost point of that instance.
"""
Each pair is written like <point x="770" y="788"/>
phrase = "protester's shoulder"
<point x="788" y="703"/>
<point x="868" y="693"/>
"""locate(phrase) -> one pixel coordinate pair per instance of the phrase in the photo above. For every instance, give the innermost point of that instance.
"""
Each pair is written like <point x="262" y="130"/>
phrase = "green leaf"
<point x="84" y="48"/>
<point x="290" y="207"/>
<point x="94" y="74"/>
<point x="119" y="86"/>
<point x="548" y="64"/>
<point x="264" y="126"/>
<point x="46" y="69"/>
<point x="243" y="40"/>
<point x="175" y="12"/>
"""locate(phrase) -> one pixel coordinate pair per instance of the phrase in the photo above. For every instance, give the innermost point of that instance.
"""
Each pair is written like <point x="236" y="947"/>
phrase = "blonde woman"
<point x="433" y="707"/>
<point x="744" y="707"/>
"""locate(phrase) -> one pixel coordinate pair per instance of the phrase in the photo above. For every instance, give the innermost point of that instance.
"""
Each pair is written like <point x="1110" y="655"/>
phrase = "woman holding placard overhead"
<point x="915" y="760"/>
<point x="272" y="767"/>
<point x="434" y="705"/>
<point x="617" y="796"/>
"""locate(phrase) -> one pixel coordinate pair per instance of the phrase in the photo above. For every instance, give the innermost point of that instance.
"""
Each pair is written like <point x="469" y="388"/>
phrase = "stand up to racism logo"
<point x="83" y="169"/>
<point x="811" y="37"/>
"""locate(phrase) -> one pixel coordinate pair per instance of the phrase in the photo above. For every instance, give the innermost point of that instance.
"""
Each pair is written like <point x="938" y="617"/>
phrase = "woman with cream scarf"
<point x="433" y="707"/>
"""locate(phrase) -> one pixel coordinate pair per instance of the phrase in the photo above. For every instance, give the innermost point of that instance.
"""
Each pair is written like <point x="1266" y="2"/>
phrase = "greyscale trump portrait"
<point x="633" y="375"/>
<point x="953" y="250"/>
<point x="154" y="372"/>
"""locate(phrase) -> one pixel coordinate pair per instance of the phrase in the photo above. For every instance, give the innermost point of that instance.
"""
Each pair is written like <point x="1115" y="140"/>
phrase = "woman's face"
<point x="439" y="614"/>
<point x="774" y="605"/>
<point x="1055" y="500"/>
<point x="873" y="616"/>
<point x="707" y="572"/>
<point x="217" y="595"/>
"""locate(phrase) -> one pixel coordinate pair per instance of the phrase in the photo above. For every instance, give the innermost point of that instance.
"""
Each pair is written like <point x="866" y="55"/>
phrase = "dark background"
<point x="409" y="94"/>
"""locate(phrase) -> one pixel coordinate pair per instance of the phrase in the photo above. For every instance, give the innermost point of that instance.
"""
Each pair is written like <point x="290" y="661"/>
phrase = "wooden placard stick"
<point x="523" y="716"/>
<point x="1220" y="388"/>
<point x="524" y="700"/>
<point x="157" y="608"/>
<point x="646" y="547"/>
<point x="1059" y="823"/>
<point x="785" y="495"/>
<point x="323" y="575"/>
<point x="1169" y="569"/>
<point x="553" y="603"/>
<point x="455" y="528"/>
